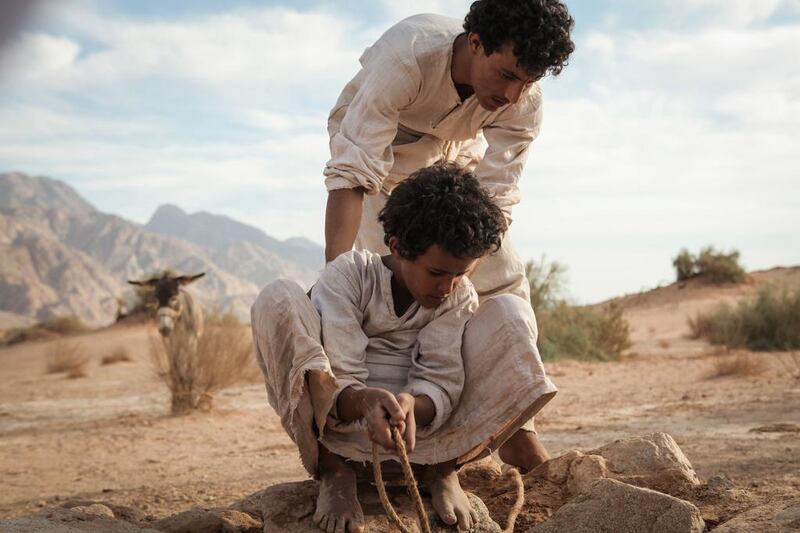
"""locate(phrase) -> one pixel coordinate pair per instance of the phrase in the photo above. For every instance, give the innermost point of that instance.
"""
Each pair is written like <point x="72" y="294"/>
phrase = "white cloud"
<point x="729" y="12"/>
<point x="36" y="56"/>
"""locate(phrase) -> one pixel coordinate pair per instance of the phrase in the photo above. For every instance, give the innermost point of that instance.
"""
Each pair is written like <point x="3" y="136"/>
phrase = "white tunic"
<point x="402" y="112"/>
<point x="369" y="345"/>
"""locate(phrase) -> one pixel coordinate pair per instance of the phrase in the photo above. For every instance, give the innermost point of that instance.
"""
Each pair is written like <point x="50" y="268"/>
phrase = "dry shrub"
<point x="711" y="265"/>
<point x="582" y="333"/>
<point x="739" y="365"/>
<point x="768" y="321"/>
<point x="223" y="357"/>
<point x="67" y="357"/>
<point x="119" y="355"/>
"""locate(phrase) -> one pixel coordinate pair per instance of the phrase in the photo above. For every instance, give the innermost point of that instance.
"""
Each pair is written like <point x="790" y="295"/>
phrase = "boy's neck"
<point x="401" y="296"/>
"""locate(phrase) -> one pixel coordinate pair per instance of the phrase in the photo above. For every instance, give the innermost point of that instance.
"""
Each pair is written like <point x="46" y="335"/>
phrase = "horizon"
<point x="652" y="140"/>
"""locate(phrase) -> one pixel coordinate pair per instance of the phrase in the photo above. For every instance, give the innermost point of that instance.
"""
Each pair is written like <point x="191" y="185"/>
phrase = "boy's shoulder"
<point x="355" y="261"/>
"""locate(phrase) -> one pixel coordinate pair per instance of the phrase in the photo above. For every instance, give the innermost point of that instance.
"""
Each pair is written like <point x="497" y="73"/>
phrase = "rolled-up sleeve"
<point x="437" y="368"/>
<point x="508" y="138"/>
<point x="361" y="153"/>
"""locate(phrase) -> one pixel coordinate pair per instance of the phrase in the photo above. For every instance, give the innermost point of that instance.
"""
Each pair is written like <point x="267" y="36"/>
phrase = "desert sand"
<point x="109" y="436"/>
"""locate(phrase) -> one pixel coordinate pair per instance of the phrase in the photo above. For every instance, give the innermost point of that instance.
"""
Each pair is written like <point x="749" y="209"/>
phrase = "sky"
<point x="676" y="123"/>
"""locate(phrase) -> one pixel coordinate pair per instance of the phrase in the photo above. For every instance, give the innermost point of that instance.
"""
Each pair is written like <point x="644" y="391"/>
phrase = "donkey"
<point x="179" y="316"/>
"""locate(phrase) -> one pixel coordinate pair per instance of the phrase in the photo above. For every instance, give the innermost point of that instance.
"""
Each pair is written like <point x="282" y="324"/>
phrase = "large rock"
<point x="653" y="461"/>
<point x="610" y="505"/>
<point x="777" y="516"/>
<point x="289" y="508"/>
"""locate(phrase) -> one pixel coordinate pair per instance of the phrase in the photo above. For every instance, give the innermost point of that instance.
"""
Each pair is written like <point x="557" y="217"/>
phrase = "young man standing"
<point x="430" y="90"/>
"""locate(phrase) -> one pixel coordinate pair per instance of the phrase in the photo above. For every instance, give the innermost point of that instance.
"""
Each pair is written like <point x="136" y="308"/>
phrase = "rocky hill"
<point x="63" y="256"/>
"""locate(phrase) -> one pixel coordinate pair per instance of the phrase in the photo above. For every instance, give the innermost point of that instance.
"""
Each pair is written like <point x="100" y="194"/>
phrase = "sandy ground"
<point x="108" y="436"/>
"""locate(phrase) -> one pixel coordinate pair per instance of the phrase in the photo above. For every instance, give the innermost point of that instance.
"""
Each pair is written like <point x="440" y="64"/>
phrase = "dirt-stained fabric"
<point x="504" y="380"/>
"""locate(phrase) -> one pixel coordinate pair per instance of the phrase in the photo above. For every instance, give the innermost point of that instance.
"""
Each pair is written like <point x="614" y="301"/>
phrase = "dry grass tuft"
<point x="742" y="364"/>
<point x="663" y="343"/>
<point x="224" y="357"/>
<point x="119" y="355"/>
<point x="67" y="357"/>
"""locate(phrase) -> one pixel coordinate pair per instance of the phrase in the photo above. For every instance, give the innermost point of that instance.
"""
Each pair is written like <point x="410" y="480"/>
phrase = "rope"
<point x="514" y="512"/>
<point x="411" y="485"/>
<point x="413" y="489"/>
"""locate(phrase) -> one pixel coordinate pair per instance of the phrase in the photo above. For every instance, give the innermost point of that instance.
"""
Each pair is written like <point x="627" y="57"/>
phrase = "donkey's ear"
<point x="185" y="280"/>
<point x="138" y="283"/>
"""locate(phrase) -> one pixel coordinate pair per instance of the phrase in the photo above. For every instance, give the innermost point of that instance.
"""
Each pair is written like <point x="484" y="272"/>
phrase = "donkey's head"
<point x="166" y="292"/>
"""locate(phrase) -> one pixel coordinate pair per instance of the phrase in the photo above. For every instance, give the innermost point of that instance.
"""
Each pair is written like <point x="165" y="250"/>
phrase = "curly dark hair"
<point x="538" y="30"/>
<point x="445" y="205"/>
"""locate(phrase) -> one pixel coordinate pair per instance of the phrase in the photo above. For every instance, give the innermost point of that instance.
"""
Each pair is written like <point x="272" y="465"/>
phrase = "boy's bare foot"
<point x="523" y="450"/>
<point x="338" y="510"/>
<point x="447" y="496"/>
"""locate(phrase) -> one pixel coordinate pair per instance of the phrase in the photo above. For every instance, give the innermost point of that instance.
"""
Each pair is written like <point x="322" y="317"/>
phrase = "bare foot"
<point x="523" y="450"/>
<point x="338" y="510"/>
<point x="447" y="496"/>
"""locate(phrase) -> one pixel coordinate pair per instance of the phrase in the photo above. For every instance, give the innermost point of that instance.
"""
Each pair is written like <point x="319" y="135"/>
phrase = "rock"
<point x="95" y="509"/>
<point x="652" y="461"/>
<point x="61" y="520"/>
<point x="210" y="521"/>
<point x="610" y="505"/>
<point x="776" y="516"/>
<point x="289" y="508"/>
<point x="584" y="471"/>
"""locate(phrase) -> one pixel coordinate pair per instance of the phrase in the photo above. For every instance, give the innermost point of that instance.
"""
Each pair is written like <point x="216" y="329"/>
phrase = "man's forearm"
<point x="342" y="218"/>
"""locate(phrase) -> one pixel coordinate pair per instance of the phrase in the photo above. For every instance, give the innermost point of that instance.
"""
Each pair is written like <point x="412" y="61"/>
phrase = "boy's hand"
<point x="407" y="403"/>
<point x="381" y="410"/>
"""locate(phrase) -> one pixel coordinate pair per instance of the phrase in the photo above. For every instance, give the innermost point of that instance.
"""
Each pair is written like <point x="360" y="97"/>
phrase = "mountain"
<point x="220" y="232"/>
<point x="63" y="256"/>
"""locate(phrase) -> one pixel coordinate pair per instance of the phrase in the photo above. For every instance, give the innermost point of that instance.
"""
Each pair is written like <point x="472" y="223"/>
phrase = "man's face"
<point x="497" y="79"/>
<point x="433" y="275"/>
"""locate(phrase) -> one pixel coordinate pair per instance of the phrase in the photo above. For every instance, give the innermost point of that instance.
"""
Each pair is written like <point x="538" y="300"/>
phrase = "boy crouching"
<point x="399" y="340"/>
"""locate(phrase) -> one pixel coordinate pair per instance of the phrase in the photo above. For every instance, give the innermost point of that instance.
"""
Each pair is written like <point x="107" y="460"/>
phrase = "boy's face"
<point x="497" y="79"/>
<point x="433" y="275"/>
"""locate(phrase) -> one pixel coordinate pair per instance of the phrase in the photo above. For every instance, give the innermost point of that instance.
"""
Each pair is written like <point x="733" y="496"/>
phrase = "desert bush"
<point x="47" y="329"/>
<point x="66" y="357"/>
<point x="119" y="355"/>
<point x="546" y="281"/>
<point x="738" y="365"/>
<point x="684" y="264"/>
<point x="570" y="332"/>
<point x="583" y="333"/>
<point x="769" y="321"/>
<point x="223" y="357"/>
<point x="711" y="265"/>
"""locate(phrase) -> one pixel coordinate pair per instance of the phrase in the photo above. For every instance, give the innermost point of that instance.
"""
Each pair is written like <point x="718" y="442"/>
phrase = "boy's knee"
<point x="506" y="309"/>
<point x="273" y="296"/>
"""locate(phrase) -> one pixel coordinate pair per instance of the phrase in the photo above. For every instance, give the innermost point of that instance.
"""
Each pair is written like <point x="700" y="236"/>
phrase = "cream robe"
<point x="401" y="112"/>
<point x="482" y="371"/>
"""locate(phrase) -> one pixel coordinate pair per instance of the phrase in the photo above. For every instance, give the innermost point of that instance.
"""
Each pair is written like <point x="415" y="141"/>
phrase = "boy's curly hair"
<point x="445" y="205"/>
<point x="538" y="30"/>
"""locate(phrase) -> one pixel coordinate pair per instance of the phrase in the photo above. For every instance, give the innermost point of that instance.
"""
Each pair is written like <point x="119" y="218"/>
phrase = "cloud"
<point x="36" y="56"/>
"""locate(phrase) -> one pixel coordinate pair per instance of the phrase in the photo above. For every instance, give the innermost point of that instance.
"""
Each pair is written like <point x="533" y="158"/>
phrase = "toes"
<point x="323" y="522"/>
<point x="464" y="519"/>
<point x="446" y="513"/>
<point x="356" y="526"/>
<point x="332" y="525"/>
<point x="474" y="515"/>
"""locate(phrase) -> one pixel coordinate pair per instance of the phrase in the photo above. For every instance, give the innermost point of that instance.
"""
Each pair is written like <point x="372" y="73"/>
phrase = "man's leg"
<point x="524" y="450"/>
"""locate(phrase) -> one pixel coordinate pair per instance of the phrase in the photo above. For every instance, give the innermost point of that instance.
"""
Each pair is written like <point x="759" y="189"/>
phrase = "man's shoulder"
<point x="419" y="35"/>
